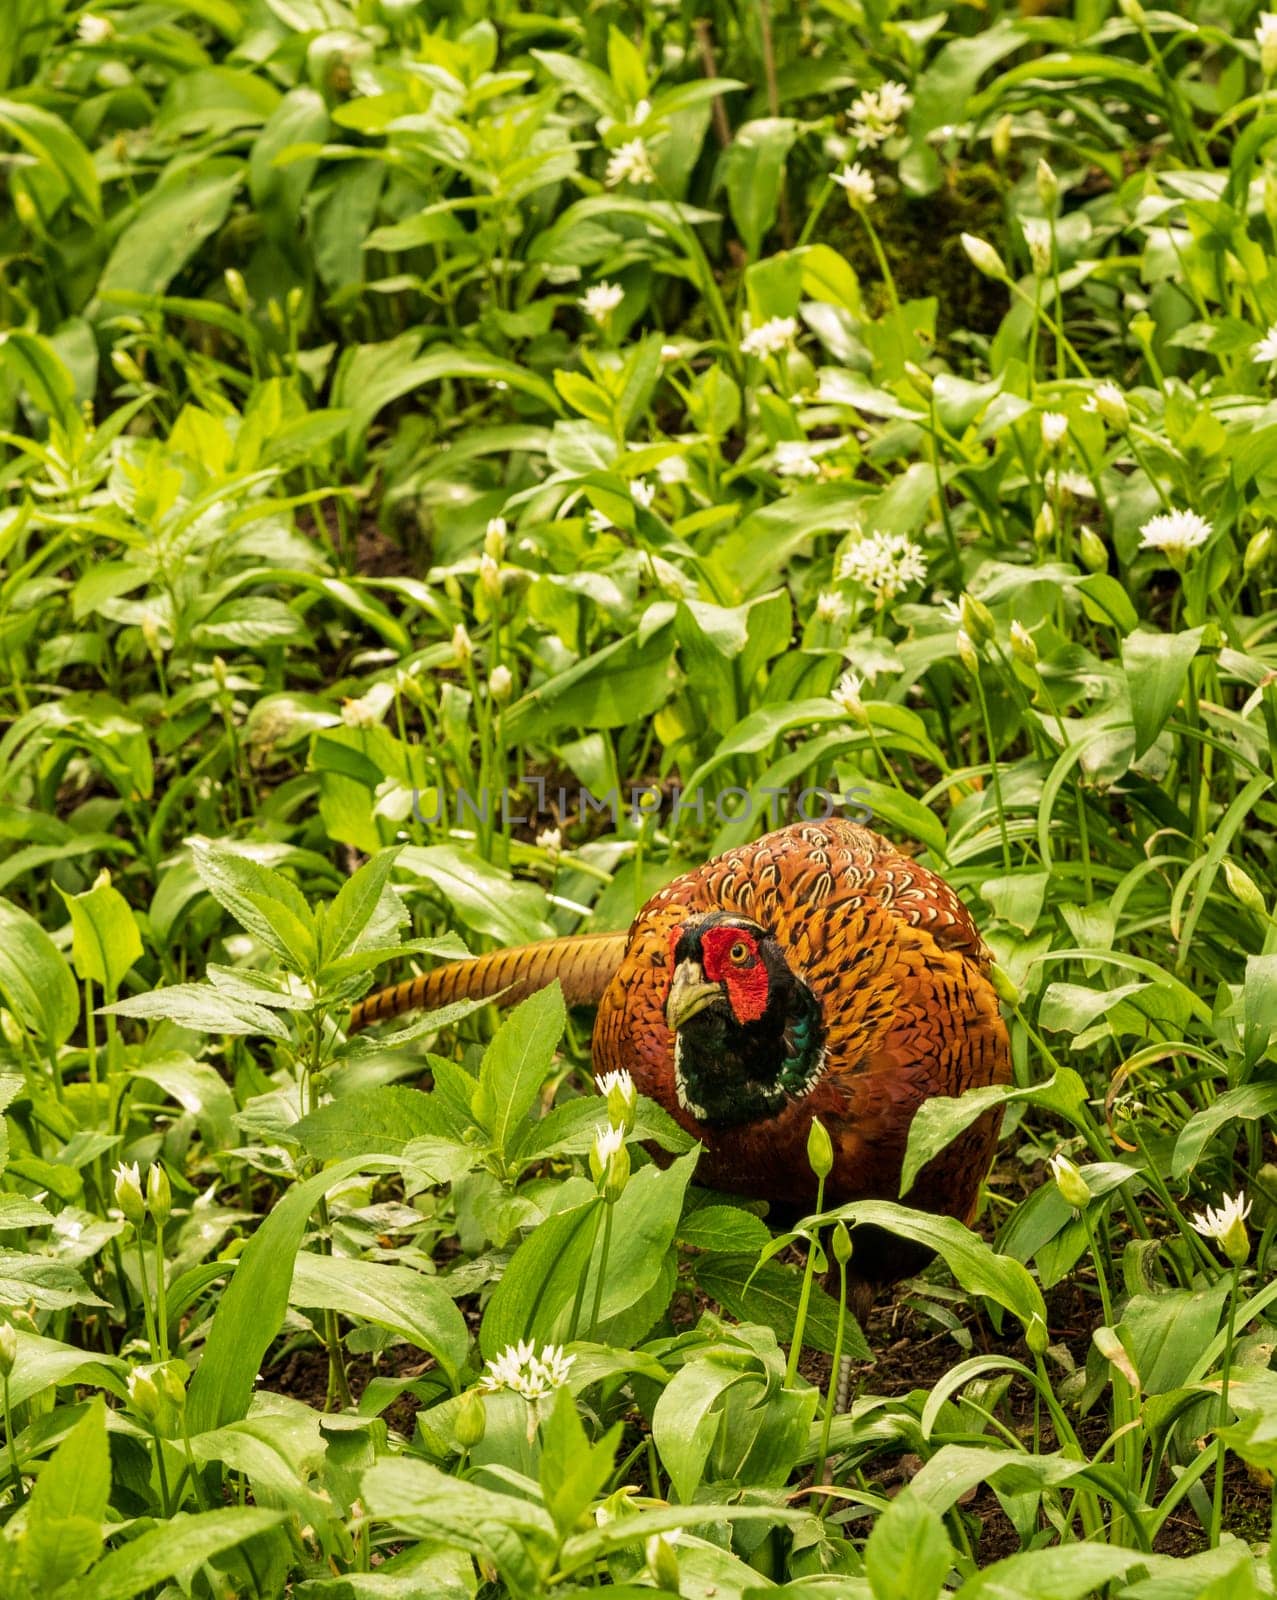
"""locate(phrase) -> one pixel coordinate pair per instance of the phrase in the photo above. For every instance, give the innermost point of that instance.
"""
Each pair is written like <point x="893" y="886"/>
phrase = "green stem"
<point x="800" y="1320"/>
<point x="602" y="1269"/>
<point x="161" y="1293"/>
<point x="832" y="1389"/>
<point x="148" y="1310"/>
<point x="15" y="1472"/>
<point x="1217" y="1502"/>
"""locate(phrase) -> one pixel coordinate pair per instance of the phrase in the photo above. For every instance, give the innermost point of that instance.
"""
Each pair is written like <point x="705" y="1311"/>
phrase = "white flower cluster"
<point x="875" y="115"/>
<point x="886" y="563"/>
<point x="1215" y="1221"/>
<point x="600" y="300"/>
<point x="1266" y="349"/>
<point x="795" y="458"/>
<point x="1175" y="532"/>
<point x="858" y="185"/>
<point x="629" y="163"/>
<point x="520" y="1369"/>
<point x="769" y="339"/>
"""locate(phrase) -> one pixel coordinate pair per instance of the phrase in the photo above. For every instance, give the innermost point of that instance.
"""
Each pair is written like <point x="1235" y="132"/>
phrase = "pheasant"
<point x="816" y="972"/>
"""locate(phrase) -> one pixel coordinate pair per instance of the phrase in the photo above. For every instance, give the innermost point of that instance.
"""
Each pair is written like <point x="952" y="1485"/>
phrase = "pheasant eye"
<point x="739" y="953"/>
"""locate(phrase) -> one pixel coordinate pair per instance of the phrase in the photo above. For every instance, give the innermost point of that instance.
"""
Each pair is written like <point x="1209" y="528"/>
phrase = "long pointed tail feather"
<point x="583" y="963"/>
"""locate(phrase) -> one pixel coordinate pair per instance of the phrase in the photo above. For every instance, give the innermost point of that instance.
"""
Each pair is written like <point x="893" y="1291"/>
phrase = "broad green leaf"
<point x="35" y="980"/>
<point x="939" y="1120"/>
<point x="1247" y="1103"/>
<point x="179" y="1546"/>
<point x="379" y="1121"/>
<point x="484" y="897"/>
<point x="105" y="941"/>
<point x="402" y="1299"/>
<point x="52" y="141"/>
<point x="68" y="1504"/>
<point x="347" y="917"/>
<point x="724" y="1229"/>
<point x="908" y="1554"/>
<point x="979" y="1269"/>
<point x="770" y="1294"/>
<point x="1070" y="1572"/>
<point x="170" y="224"/>
<point x="264" y="902"/>
<point x="1156" y="665"/>
<point x="517" y="1063"/>
<point x="202" y="1007"/>
<point x="252" y="1306"/>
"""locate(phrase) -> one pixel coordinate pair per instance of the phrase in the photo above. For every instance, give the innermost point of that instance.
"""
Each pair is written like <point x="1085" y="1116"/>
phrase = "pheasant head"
<point x="748" y="1033"/>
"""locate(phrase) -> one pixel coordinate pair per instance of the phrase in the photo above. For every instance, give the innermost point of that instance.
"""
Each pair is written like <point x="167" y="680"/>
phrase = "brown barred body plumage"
<point x="816" y="972"/>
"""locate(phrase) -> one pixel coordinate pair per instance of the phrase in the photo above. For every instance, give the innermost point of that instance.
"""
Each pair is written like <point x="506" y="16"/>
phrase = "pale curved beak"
<point x="689" y="993"/>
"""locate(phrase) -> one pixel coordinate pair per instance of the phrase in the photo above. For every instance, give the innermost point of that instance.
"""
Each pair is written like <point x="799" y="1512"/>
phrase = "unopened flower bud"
<point x="462" y="649"/>
<point x="984" y="258"/>
<point x="220" y="676"/>
<point x="1001" y="140"/>
<point x="472" y="1420"/>
<point x="1244" y="889"/>
<point x="171" y="1380"/>
<point x="489" y="576"/>
<point x="920" y="378"/>
<point x="1036" y="1335"/>
<point x="820" y="1149"/>
<point x="1004" y="986"/>
<point x="1258" y="549"/>
<point x="841" y="1243"/>
<point x="1073" y="1187"/>
<point x="8" y="1348"/>
<point x="1111" y="404"/>
<point x="144" y="1397"/>
<point x="1023" y="646"/>
<point x="236" y="288"/>
<point x="1044" y="525"/>
<point x="967" y="652"/>
<point x="293" y="302"/>
<point x="494" y="540"/>
<point x="1048" y="186"/>
<point x="662" y="1563"/>
<point x="977" y="619"/>
<point x="1095" y="558"/>
<point x="621" y="1096"/>
<point x="501" y="684"/>
<point x="159" y="1195"/>
<point x="128" y="1193"/>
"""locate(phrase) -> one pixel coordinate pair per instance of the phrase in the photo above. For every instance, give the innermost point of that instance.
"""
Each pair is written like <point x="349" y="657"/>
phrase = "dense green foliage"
<point x="403" y="402"/>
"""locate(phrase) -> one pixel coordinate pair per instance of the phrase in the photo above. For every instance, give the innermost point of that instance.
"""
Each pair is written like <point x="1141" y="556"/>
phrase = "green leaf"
<point x="202" y="1007"/>
<point x="105" y="941"/>
<point x="346" y="918"/>
<point x="485" y="898"/>
<point x="573" y="1470"/>
<point x="724" y="1229"/>
<point x="63" y="1536"/>
<point x="688" y="1416"/>
<point x="402" y="1299"/>
<point x="770" y="1294"/>
<point x="252" y="1306"/>
<point x="908" y="1554"/>
<point x="35" y="980"/>
<point x="1248" y="1103"/>
<point x="939" y="1120"/>
<point x="169" y="226"/>
<point x="179" y="1546"/>
<point x="979" y="1269"/>
<point x="517" y="1063"/>
<point x="535" y="1297"/>
<point x="49" y="1285"/>
<point x="1070" y="1572"/>
<point x="379" y="1121"/>
<point x="264" y="903"/>
<point x="1156" y="665"/>
<point x="753" y="172"/>
<point x="53" y="143"/>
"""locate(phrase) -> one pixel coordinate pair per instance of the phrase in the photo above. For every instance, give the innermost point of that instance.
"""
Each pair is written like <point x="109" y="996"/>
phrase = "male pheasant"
<point x="814" y="973"/>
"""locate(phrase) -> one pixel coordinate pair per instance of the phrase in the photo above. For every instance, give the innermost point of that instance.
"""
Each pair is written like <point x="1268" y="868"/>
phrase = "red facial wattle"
<point x="746" y="982"/>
